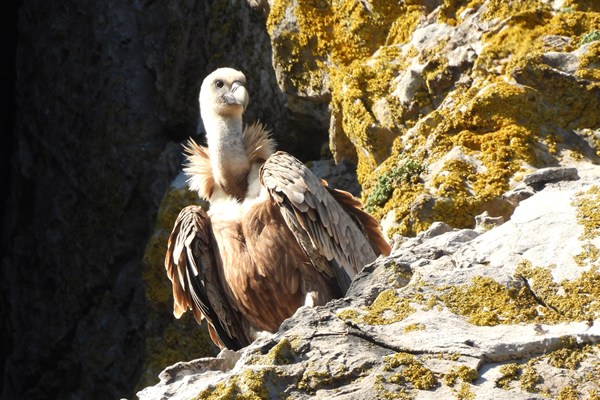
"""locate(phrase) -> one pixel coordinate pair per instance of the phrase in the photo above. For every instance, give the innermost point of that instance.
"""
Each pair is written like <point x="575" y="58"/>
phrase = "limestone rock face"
<point x="445" y="105"/>
<point x="513" y="312"/>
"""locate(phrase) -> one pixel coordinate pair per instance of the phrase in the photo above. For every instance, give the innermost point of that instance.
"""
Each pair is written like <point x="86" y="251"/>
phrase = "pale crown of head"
<point x="223" y="94"/>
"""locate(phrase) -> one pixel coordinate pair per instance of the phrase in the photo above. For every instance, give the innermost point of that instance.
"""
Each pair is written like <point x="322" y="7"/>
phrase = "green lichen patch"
<point x="462" y="372"/>
<point x="387" y="308"/>
<point x="408" y="370"/>
<point x="408" y="172"/>
<point x="589" y="37"/>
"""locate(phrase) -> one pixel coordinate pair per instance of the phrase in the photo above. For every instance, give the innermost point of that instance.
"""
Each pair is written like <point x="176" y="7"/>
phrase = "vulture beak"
<point x="237" y="95"/>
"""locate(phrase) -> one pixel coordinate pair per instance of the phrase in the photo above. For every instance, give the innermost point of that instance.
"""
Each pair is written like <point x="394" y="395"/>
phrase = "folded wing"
<point x="337" y="242"/>
<point x="194" y="272"/>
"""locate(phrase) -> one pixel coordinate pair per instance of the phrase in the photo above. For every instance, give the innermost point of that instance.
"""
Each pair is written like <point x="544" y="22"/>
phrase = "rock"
<point x="419" y="80"/>
<point x="509" y="313"/>
<point x="484" y="222"/>
<point x="91" y="162"/>
<point x="542" y="176"/>
<point x="518" y="194"/>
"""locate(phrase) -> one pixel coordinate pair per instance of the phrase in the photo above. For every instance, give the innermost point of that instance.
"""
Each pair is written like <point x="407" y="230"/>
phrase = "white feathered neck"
<point x="256" y="145"/>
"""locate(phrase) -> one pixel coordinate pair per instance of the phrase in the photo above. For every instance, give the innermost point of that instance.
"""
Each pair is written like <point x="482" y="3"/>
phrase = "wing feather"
<point x="333" y="238"/>
<point x="193" y="270"/>
<point x="365" y="221"/>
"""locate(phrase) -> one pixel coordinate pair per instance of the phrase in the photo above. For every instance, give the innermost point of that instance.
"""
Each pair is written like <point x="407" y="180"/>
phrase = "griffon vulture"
<point x="275" y="237"/>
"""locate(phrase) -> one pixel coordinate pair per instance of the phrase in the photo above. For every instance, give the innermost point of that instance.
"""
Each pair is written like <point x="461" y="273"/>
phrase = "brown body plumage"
<point x="275" y="237"/>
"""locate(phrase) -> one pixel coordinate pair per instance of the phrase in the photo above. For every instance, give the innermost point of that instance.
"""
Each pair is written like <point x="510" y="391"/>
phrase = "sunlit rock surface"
<point x="511" y="312"/>
<point x="445" y="105"/>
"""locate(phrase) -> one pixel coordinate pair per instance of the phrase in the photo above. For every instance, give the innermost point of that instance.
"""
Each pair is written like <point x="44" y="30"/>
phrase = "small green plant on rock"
<point x="407" y="172"/>
<point x="591" y="36"/>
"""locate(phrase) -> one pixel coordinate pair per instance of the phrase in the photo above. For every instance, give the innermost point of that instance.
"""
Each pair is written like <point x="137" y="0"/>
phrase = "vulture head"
<point x="223" y="94"/>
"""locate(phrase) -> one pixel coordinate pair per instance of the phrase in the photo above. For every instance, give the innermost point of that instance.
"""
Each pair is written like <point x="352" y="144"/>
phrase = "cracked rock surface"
<point x="510" y="312"/>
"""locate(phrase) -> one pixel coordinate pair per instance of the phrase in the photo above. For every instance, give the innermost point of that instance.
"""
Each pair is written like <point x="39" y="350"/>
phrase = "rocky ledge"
<point x="491" y="312"/>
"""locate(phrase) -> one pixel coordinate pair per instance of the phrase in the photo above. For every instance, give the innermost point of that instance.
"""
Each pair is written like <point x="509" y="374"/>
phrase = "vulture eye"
<point x="219" y="83"/>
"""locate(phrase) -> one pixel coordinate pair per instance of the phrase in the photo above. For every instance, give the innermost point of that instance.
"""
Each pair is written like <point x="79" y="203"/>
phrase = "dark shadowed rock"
<point x="104" y="91"/>
<point x="101" y="90"/>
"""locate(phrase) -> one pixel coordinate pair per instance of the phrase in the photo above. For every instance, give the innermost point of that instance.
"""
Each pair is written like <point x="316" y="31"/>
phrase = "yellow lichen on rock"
<point x="589" y="63"/>
<point x="486" y="302"/>
<point x="508" y="105"/>
<point x="510" y="372"/>
<point x="413" y="327"/>
<point x="408" y="370"/>
<point x="588" y="212"/>
<point x="464" y="373"/>
<point x="387" y="308"/>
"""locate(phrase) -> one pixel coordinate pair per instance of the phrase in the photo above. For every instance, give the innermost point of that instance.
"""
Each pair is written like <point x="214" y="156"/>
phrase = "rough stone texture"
<point x="474" y="93"/>
<point x="86" y="182"/>
<point x="510" y="313"/>
<point x="104" y="92"/>
<point x="546" y="175"/>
